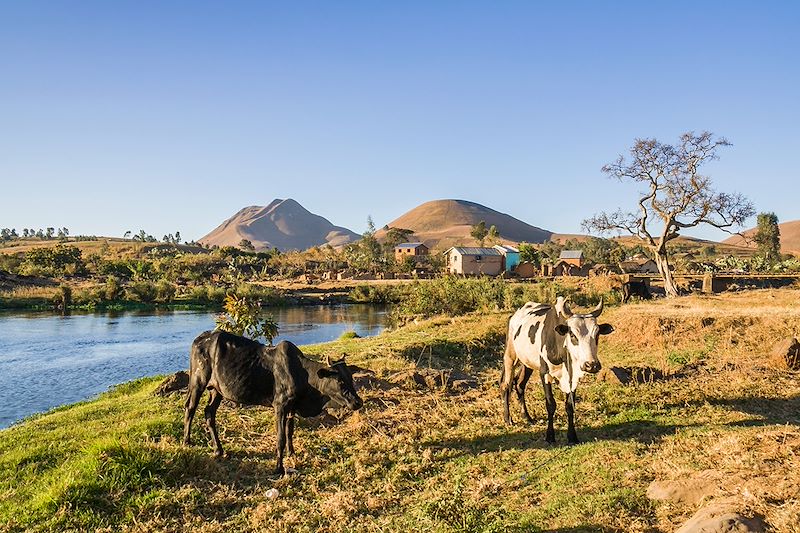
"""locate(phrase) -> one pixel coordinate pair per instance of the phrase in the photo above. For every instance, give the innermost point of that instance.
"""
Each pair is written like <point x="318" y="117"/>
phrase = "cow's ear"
<point x="562" y="329"/>
<point x="326" y="373"/>
<point x="605" y="329"/>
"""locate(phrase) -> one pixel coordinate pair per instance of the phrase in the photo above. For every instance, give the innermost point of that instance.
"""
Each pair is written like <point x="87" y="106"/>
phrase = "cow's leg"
<point x="550" y="403"/>
<point x="569" y="403"/>
<point x="505" y="381"/>
<point x="211" y="420"/>
<point x="290" y="434"/>
<point x="281" y="413"/>
<point x="192" y="400"/>
<point x="522" y="381"/>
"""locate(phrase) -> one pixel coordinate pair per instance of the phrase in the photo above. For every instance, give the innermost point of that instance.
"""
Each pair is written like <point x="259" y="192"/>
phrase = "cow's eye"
<point x="573" y="338"/>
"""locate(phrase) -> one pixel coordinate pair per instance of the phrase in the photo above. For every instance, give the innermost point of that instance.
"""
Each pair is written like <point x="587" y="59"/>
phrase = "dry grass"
<point x="415" y="459"/>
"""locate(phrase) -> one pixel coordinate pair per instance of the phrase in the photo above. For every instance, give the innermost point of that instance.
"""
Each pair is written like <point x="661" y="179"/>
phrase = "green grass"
<point x="414" y="459"/>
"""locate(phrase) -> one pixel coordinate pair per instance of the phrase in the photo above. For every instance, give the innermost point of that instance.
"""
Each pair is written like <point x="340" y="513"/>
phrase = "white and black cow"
<point x="561" y="346"/>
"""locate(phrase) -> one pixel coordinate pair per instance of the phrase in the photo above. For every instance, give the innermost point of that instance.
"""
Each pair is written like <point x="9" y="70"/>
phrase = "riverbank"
<point x="93" y="297"/>
<point x="711" y="417"/>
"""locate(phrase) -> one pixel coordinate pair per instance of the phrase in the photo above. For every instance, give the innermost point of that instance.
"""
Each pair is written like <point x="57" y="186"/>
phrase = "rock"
<point x="687" y="491"/>
<point x="786" y="353"/>
<point x="177" y="382"/>
<point x="719" y="517"/>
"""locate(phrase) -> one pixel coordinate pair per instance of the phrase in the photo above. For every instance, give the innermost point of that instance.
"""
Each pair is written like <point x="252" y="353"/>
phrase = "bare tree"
<point x="677" y="196"/>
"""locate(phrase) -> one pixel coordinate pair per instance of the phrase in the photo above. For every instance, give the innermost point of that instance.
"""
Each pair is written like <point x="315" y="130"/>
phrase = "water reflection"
<point x="47" y="360"/>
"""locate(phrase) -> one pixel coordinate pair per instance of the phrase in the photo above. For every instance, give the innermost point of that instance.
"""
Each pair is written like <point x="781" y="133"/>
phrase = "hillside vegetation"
<point x="713" y="414"/>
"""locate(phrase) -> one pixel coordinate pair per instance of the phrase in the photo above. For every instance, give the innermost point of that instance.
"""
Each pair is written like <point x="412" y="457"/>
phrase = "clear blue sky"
<point x="173" y="115"/>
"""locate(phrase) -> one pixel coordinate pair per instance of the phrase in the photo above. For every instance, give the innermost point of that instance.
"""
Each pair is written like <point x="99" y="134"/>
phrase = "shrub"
<point x="89" y="297"/>
<point x="453" y="296"/>
<point x="64" y="296"/>
<point x="208" y="294"/>
<point x="457" y="296"/>
<point x="141" y="291"/>
<point x="165" y="291"/>
<point x="264" y="295"/>
<point x="10" y="263"/>
<point x="112" y="290"/>
<point x="375" y="294"/>
<point x="244" y="317"/>
<point x="59" y="260"/>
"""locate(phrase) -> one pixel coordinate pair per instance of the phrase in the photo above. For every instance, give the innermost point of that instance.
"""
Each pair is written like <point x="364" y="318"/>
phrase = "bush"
<point x="376" y="294"/>
<point x="112" y="290"/>
<point x="208" y="294"/>
<point x="64" y="296"/>
<point x="264" y="295"/>
<point x="141" y="291"/>
<point x="89" y="297"/>
<point x="57" y="261"/>
<point x="453" y="296"/>
<point x="10" y="263"/>
<point x="244" y="317"/>
<point x="457" y="296"/>
<point x="165" y="291"/>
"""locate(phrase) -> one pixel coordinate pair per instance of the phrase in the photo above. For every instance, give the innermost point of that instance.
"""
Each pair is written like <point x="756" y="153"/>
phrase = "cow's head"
<point x="336" y="382"/>
<point x="581" y="333"/>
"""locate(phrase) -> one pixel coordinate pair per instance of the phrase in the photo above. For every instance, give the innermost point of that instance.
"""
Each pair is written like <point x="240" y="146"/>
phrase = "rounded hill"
<point x="445" y="223"/>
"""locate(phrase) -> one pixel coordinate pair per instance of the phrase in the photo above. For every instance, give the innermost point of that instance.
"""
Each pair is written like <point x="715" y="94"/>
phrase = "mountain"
<point x="283" y="224"/>
<point x="445" y="223"/>
<point x="790" y="237"/>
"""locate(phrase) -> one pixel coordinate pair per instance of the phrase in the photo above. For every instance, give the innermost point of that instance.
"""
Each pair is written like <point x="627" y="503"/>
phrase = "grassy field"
<point x="717" y="416"/>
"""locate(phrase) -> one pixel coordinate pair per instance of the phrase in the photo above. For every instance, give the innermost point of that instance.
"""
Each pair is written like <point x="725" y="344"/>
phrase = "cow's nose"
<point x="592" y="367"/>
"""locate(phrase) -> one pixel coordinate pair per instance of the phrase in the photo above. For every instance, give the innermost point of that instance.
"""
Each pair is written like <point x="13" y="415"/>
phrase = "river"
<point x="49" y="360"/>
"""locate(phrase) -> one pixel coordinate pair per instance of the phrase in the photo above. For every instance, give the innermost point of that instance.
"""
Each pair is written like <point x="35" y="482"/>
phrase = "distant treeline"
<point x="45" y="234"/>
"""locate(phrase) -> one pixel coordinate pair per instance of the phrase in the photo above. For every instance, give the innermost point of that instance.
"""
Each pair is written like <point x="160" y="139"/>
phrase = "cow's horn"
<point x="599" y="309"/>
<point x="328" y="360"/>
<point x="561" y="305"/>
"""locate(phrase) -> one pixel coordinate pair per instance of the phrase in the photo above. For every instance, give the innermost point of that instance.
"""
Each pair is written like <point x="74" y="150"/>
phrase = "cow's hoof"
<point x="573" y="441"/>
<point x="219" y="454"/>
<point x="280" y="472"/>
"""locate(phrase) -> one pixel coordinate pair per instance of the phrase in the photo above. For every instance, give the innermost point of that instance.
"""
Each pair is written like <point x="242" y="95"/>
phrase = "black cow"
<point x="635" y="288"/>
<point x="248" y="372"/>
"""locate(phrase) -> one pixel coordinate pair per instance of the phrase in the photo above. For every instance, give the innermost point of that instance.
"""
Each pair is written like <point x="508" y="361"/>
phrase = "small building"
<point x="640" y="265"/>
<point x="572" y="257"/>
<point x="410" y="249"/>
<point x="510" y="256"/>
<point x="474" y="261"/>
<point x="526" y="269"/>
